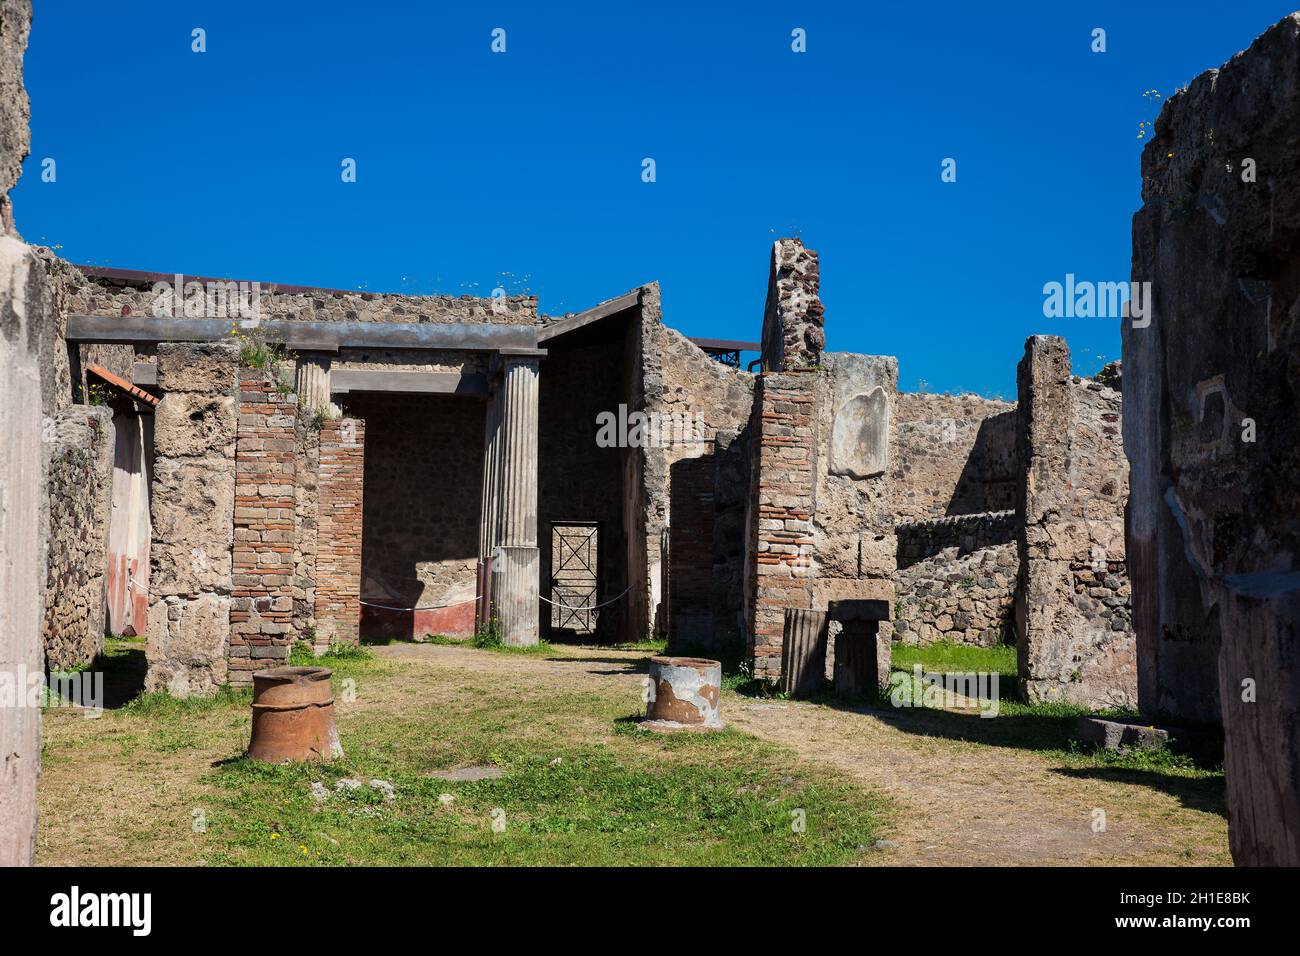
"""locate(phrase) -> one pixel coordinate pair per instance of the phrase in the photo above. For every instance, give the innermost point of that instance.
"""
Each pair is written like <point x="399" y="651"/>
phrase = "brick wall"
<point x="690" y="553"/>
<point x="338" y="547"/>
<point x="784" y="554"/>
<point x="423" y="491"/>
<point x="261" y="608"/>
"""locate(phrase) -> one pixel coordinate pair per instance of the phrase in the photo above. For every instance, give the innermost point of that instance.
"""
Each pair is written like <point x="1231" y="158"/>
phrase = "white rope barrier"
<point x="593" y="607"/>
<point x="430" y="607"/>
<point x="477" y="597"/>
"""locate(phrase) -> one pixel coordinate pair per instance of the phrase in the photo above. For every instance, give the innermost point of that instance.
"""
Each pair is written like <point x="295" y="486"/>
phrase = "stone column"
<point x="491" y="463"/>
<point x="23" y="521"/>
<point x="488" y="509"/>
<point x="517" y="494"/>
<point x="510" y="499"/>
<point x="1074" y="640"/>
<point x="313" y="382"/>
<point x="193" y="510"/>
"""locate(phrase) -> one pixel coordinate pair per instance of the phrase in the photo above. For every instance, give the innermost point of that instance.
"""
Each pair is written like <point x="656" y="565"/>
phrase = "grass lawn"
<point x="580" y="784"/>
<point x="1045" y="728"/>
<point x="946" y="656"/>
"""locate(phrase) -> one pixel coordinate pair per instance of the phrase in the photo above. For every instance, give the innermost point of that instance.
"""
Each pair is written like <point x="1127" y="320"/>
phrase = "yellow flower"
<point x="275" y="836"/>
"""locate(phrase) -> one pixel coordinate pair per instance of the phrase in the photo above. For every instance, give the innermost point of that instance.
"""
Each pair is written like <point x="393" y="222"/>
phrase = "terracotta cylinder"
<point x="685" y="690"/>
<point x="293" y="715"/>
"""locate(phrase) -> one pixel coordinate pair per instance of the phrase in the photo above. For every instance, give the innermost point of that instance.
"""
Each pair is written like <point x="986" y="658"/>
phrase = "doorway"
<point x="575" y="578"/>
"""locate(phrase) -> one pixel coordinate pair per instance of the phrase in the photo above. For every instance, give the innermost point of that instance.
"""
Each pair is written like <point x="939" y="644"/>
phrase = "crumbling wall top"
<point x="793" y="317"/>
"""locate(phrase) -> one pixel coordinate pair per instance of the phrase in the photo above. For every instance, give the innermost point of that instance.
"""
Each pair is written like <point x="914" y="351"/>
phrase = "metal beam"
<point x="727" y="345"/>
<point x="305" y="336"/>
<point x="344" y="380"/>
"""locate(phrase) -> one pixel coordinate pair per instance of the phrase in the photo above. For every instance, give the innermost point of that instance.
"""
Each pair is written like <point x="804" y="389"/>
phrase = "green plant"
<point x="255" y="351"/>
<point x="1147" y="128"/>
<point x="97" y="393"/>
<point x="488" y="635"/>
<point x="304" y="654"/>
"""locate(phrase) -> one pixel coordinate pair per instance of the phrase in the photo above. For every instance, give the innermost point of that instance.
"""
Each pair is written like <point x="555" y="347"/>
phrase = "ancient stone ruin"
<point x="1210" y="394"/>
<point x="354" y="463"/>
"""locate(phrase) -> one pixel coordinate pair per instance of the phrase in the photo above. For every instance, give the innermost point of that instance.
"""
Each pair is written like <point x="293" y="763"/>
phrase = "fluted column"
<point x="313" y="382"/>
<point x="517" y="515"/>
<point x="510" y="500"/>
<point x="491" y="473"/>
<point x="803" y="652"/>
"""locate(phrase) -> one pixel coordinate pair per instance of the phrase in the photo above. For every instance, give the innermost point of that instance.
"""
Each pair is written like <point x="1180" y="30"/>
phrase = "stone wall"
<point x="306" y="514"/>
<point x="423" y="485"/>
<point x="918" y="540"/>
<point x="1074" y="632"/>
<point x="192" y="506"/>
<point x="731" y="481"/>
<point x="952" y="454"/>
<point x="109" y="293"/>
<point x="957" y="579"/>
<point x="578" y="481"/>
<point x="793" y="317"/>
<point x="262" y="599"/>
<point x="699" y="391"/>
<point x="962" y="597"/>
<point x="339" y="531"/>
<point x="1210" y="390"/>
<point x="854" y="513"/>
<point x="679" y="382"/>
<point x="79" y="449"/>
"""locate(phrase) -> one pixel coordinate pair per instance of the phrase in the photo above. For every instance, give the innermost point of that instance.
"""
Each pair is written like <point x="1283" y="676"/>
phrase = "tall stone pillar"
<point x="193" y="510"/>
<point x="313" y="382"/>
<point x="24" y="322"/>
<point x="510" y="499"/>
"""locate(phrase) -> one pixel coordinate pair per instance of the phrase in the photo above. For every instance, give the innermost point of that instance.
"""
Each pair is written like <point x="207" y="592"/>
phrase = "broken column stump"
<point x="861" y="650"/>
<point x="684" y="694"/>
<point x="803" y="652"/>
<point x="293" y="716"/>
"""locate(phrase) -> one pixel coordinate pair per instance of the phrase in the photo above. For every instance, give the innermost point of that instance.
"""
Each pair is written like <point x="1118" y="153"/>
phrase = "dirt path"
<point x="958" y="802"/>
<point x="124" y="790"/>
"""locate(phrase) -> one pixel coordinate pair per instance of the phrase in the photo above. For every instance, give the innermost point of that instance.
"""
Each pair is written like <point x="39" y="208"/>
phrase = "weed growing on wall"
<point x="255" y="351"/>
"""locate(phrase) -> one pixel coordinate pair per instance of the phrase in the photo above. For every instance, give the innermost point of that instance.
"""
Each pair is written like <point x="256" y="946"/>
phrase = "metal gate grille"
<point x="574" y="582"/>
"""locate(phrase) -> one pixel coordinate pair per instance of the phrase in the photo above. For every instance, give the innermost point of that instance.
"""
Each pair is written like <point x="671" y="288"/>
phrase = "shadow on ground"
<point x="1204" y="794"/>
<point x="124" y="670"/>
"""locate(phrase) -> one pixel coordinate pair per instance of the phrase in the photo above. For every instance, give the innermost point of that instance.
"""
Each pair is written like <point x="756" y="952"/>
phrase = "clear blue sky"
<point x="474" y="166"/>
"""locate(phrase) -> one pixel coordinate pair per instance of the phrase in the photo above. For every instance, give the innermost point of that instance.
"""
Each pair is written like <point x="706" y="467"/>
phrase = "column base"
<point x="515" y="585"/>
